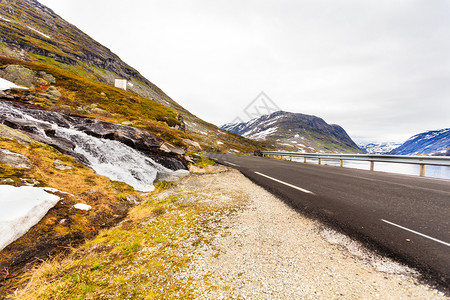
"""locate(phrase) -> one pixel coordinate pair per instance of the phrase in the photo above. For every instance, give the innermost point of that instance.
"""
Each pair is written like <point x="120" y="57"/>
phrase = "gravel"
<point x="266" y="250"/>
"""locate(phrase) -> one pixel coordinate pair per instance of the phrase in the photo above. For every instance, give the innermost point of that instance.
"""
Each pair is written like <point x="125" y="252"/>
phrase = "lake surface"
<point x="441" y="172"/>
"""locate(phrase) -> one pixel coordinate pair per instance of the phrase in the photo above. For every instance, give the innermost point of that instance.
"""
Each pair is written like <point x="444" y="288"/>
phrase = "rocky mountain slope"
<point x="58" y="61"/>
<point x="296" y="132"/>
<point x="70" y="129"/>
<point x="433" y="142"/>
<point x="30" y="30"/>
<point x="379" y="148"/>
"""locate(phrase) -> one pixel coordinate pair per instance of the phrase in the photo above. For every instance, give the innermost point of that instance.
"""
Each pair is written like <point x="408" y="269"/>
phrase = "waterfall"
<point x="109" y="158"/>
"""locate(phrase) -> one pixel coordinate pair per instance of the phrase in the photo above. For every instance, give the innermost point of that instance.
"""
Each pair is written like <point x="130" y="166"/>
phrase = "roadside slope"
<point x="219" y="236"/>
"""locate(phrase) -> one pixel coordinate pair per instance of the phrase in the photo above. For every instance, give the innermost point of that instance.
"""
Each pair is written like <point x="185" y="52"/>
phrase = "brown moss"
<point x="63" y="226"/>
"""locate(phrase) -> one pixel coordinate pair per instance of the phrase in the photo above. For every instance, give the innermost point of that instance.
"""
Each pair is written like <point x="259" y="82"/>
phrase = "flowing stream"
<point x="109" y="158"/>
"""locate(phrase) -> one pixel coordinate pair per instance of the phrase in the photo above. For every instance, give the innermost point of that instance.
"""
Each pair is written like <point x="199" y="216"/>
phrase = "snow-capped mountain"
<point x="296" y="132"/>
<point x="433" y="142"/>
<point x="378" y="148"/>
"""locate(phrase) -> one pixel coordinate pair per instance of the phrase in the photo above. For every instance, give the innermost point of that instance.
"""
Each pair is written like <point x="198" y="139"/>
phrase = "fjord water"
<point x="109" y="158"/>
<point x="441" y="172"/>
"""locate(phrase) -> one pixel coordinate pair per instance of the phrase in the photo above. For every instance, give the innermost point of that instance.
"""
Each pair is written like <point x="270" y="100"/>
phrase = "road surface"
<point x="406" y="217"/>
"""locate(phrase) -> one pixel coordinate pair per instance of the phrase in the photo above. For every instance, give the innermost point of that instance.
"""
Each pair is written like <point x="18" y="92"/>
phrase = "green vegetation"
<point x="63" y="222"/>
<point x="148" y="256"/>
<point x="204" y="161"/>
<point x="90" y="98"/>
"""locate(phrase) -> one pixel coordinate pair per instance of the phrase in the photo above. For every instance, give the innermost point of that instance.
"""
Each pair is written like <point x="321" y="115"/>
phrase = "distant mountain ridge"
<point x="378" y="148"/>
<point x="296" y="132"/>
<point x="433" y="142"/>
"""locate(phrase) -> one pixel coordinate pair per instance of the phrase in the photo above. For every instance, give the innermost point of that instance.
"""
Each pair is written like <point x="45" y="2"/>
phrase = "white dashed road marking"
<point x="231" y="163"/>
<point x="285" y="183"/>
<point x="418" y="233"/>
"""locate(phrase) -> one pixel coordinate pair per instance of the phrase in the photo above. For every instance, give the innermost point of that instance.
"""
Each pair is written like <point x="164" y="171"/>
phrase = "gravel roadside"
<point x="269" y="251"/>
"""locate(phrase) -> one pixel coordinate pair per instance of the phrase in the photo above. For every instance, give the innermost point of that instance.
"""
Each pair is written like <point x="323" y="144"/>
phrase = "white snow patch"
<point x="6" y="85"/>
<point x="261" y="135"/>
<point x="219" y="143"/>
<point x="234" y="150"/>
<point x="82" y="206"/>
<point x="20" y="209"/>
<point x="43" y="34"/>
<point x="5" y="19"/>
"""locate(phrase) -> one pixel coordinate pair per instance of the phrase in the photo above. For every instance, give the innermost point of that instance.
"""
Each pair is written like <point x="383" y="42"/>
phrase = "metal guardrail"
<point x="417" y="160"/>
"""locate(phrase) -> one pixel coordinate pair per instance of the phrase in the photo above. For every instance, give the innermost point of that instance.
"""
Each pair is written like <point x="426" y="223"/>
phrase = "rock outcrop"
<point x="162" y="152"/>
<point x="14" y="160"/>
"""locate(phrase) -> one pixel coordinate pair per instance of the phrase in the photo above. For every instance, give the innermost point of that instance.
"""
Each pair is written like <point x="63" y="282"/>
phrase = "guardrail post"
<point x="304" y="159"/>
<point x="372" y="165"/>
<point x="342" y="163"/>
<point x="290" y="158"/>
<point x="422" y="170"/>
<point x="320" y="161"/>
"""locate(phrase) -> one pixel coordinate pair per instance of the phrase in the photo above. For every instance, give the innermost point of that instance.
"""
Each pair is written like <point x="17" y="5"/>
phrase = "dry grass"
<point x="62" y="222"/>
<point x="145" y="257"/>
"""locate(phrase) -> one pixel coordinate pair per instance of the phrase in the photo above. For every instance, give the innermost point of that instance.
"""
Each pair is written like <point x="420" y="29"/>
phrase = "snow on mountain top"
<point x="379" y="148"/>
<point x="20" y="209"/>
<point x="429" y="142"/>
<point x="260" y="135"/>
<point x="429" y="134"/>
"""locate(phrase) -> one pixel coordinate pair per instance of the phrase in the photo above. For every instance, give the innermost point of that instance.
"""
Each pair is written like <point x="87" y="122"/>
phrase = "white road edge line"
<point x="285" y="183"/>
<point x="418" y="233"/>
<point x="227" y="162"/>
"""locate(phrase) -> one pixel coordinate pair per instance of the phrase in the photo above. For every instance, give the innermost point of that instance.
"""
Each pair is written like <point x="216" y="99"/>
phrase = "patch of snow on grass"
<point x="82" y="206"/>
<point x="20" y="209"/>
<point x="5" y="19"/>
<point x="6" y="85"/>
<point x="219" y="143"/>
<point x="43" y="34"/>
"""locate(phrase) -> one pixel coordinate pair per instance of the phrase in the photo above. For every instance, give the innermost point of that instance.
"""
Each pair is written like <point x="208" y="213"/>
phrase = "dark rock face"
<point x="147" y="143"/>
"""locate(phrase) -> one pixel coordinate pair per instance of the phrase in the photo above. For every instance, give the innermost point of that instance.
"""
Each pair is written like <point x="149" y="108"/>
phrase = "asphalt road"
<point x="405" y="217"/>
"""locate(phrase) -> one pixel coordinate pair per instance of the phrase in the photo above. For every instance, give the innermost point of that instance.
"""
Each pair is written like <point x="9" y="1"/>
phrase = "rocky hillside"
<point x="42" y="51"/>
<point x="433" y="142"/>
<point x="67" y="133"/>
<point x="296" y="132"/>
<point x="32" y="31"/>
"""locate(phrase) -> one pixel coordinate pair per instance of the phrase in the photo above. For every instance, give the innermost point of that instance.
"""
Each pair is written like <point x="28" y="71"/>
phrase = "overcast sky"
<point x="380" y="69"/>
